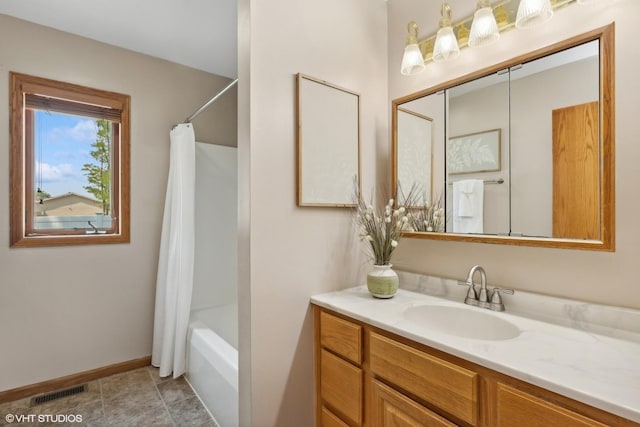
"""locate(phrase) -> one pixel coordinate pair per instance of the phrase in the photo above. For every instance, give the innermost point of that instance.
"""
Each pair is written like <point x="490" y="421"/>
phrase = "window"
<point x="69" y="164"/>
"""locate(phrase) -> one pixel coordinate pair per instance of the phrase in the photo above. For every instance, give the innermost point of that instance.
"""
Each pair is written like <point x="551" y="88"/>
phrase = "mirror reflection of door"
<point x="576" y="207"/>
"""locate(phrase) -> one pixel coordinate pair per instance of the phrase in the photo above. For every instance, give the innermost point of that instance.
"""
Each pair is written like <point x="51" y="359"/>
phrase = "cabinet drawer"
<point x="341" y="386"/>
<point x="519" y="409"/>
<point x="390" y="408"/>
<point x="443" y="384"/>
<point x="341" y="336"/>
<point x="329" y="419"/>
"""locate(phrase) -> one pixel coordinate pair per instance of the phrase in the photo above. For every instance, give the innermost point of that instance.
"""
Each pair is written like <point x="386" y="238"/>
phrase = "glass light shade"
<point x="412" y="60"/>
<point x="446" y="46"/>
<point x="484" y="28"/>
<point x="532" y="13"/>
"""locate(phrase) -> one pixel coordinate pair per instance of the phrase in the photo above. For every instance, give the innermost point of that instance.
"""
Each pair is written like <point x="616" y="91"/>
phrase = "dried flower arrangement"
<point x="382" y="228"/>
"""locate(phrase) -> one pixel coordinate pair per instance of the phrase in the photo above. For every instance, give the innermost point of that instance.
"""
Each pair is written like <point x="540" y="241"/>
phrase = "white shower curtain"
<point x="175" y="264"/>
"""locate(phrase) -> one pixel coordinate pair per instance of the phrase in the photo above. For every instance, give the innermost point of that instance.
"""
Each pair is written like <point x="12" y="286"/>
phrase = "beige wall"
<point x="70" y="309"/>
<point x="294" y="252"/>
<point x="608" y="278"/>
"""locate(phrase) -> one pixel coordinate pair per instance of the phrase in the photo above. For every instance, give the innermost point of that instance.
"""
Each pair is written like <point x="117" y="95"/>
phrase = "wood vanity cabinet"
<point x="369" y="377"/>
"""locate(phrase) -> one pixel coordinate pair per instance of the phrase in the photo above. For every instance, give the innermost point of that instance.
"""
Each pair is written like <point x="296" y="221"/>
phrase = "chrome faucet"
<point x="482" y="298"/>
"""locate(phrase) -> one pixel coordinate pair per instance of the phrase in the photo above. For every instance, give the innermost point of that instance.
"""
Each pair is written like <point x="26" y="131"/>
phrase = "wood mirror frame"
<point x="605" y="35"/>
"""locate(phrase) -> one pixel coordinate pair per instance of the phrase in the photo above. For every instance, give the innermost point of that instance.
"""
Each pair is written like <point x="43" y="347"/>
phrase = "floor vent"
<point x="44" y="398"/>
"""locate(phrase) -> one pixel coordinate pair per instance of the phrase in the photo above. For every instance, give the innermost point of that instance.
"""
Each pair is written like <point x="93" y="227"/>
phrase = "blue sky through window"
<point x="62" y="147"/>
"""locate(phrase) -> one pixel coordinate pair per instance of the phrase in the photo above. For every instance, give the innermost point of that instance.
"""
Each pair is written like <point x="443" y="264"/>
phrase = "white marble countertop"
<point x="599" y="370"/>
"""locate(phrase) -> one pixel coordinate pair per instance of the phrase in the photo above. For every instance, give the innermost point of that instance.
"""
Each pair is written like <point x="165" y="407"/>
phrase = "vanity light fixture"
<point x="532" y="13"/>
<point x="412" y="60"/>
<point x="484" y="28"/>
<point x="481" y="28"/>
<point x="446" y="46"/>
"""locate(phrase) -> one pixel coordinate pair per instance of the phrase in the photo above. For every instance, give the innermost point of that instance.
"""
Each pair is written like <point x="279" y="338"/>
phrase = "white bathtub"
<point x="212" y="361"/>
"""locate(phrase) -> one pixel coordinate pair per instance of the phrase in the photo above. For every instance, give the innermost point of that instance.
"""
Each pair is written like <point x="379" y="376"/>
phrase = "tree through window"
<point x="98" y="173"/>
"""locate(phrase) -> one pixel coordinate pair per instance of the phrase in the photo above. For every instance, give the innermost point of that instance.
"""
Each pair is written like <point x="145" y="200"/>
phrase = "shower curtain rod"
<point x="211" y="101"/>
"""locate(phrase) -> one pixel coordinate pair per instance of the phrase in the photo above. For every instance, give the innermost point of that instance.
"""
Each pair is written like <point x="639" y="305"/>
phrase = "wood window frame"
<point x="22" y="233"/>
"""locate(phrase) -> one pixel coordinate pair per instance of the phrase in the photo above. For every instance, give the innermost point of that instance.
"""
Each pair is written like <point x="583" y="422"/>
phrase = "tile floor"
<point x="135" y="398"/>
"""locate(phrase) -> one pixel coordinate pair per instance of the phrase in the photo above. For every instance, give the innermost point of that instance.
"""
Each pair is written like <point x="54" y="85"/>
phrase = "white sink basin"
<point x="462" y="322"/>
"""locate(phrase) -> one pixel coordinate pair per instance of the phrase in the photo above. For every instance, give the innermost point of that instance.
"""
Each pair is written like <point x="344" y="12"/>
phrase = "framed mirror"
<point x="529" y="141"/>
<point x="328" y="134"/>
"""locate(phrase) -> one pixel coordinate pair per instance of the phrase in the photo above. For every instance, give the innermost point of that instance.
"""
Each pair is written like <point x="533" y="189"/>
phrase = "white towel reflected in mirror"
<point x="468" y="206"/>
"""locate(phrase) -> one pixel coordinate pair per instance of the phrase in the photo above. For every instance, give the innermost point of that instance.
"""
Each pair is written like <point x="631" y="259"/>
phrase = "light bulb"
<point x="446" y="46"/>
<point x="412" y="60"/>
<point x="484" y="28"/>
<point x="532" y="13"/>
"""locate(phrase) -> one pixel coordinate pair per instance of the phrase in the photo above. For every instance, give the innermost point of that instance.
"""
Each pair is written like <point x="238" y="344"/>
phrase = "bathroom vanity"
<point x="395" y="363"/>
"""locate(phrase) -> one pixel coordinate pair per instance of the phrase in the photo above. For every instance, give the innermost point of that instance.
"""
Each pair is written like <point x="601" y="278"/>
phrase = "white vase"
<point x="382" y="281"/>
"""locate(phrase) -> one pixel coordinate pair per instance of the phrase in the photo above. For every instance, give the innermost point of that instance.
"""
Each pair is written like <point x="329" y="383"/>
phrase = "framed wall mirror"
<point x="523" y="151"/>
<point x="328" y="134"/>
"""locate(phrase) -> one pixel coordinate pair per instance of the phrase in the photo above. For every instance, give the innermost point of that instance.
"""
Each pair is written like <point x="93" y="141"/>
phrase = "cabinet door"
<point x="392" y="409"/>
<point x="341" y="386"/>
<point x="516" y="408"/>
